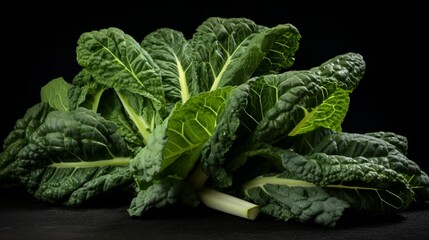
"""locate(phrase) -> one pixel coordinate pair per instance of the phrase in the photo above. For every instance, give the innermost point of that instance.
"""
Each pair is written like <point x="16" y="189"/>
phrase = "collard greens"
<point x="167" y="118"/>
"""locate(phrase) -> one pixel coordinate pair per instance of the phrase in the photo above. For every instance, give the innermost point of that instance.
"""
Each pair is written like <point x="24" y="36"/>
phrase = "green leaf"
<point x="176" y="145"/>
<point x="55" y="92"/>
<point x="73" y="157"/>
<point x="231" y="50"/>
<point x="147" y="162"/>
<point x="366" y="185"/>
<point x="214" y="153"/>
<point x="296" y="102"/>
<point x="86" y="92"/>
<point x="190" y="127"/>
<point x="116" y="60"/>
<point x="287" y="199"/>
<point x="380" y="148"/>
<point x="167" y="192"/>
<point x="174" y="55"/>
<point x="16" y="140"/>
<point x="329" y="114"/>
<point x="345" y="69"/>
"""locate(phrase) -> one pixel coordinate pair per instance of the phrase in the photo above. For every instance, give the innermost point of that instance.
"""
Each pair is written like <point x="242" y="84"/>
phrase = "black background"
<point x="39" y="44"/>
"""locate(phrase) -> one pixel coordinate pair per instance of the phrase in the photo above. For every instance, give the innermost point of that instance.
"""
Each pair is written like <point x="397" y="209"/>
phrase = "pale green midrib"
<point x="96" y="103"/>
<point x="124" y="66"/>
<point x="225" y="65"/>
<point x="139" y="122"/>
<point x="191" y="144"/>
<point x="307" y="115"/>
<point x="66" y="108"/>
<point x="261" y="181"/>
<point x="218" y="77"/>
<point x="120" y="161"/>
<point x="182" y="80"/>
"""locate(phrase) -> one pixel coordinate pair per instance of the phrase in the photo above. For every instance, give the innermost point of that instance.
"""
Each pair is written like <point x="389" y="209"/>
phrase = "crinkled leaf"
<point x="86" y="92"/>
<point x="381" y="148"/>
<point x="118" y="61"/>
<point x="213" y="156"/>
<point x="181" y="137"/>
<point x="296" y="102"/>
<point x="230" y="50"/>
<point x="367" y="186"/>
<point x="73" y="157"/>
<point x="399" y="141"/>
<point x="189" y="127"/>
<point x="141" y="112"/>
<point x="165" y="193"/>
<point x="147" y="163"/>
<point x="17" y="139"/>
<point x="174" y="55"/>
<point x="285" y="198"/>
<point x="345" y="69"/>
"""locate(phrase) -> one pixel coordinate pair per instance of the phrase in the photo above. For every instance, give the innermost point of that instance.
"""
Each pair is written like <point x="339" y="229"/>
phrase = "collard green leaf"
<point x="329" y="114"/>
<point x="99" y="98"/>
<point x="25" y="126"/>
<point x="292" y="97"/>
<point x="73" y="157"/>
<point x="147" y="162"/>
<point x="214" y="153"/>
<point x="399" y="141"/>
<point x="174" y="55"/>
<point x="323" y="185"/>
<point x="167" y="192"/>
<point x="141" y="112"/>
<point x="217" y="41"/>
<point x="279" y="45"/>
<point x="9" y="168"/>
<point x="296" y="102"/>
<point x="381" y="148"/>
<point x="17" y="139"/>
<point x="367" y="186"/>
<point x="190" y="126"/>
<point x="86" y="92"/>
<point x="55" y="92"/>
<point x="285" y="198"/>
<point x="345" y="69"/>
<point x="231" y="50"/>
<point x="116" y="60"/>
<point x="175" y="146"/>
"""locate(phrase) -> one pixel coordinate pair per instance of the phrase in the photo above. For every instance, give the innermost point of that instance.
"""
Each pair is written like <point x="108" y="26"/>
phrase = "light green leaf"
<point x="175" y="146"/>
<point x="329" y="114"/>
<point x="190" y="126"/>
<point x="55" y="92"/>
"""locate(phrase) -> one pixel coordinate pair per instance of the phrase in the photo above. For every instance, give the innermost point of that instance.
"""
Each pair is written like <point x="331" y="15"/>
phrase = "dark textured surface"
<point x="23" y="218"/>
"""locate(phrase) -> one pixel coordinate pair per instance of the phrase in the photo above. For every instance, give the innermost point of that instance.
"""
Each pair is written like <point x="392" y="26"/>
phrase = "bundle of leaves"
<point x="217" y="119"/>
